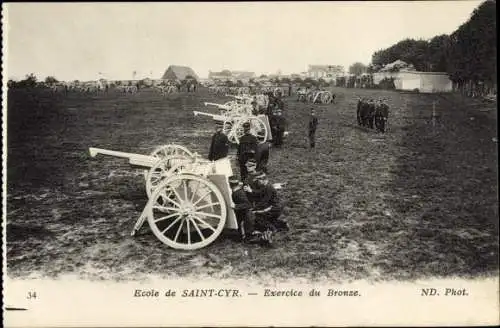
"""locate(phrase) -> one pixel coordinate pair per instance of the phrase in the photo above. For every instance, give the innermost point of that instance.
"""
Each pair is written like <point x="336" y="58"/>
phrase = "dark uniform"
<point x="381" y="116"/>
<point x="219" y="146"/>
<point x="278" y="127"/>
<point x="242" y="209"/>
<point x="246" y="150"/>
<point x="262" y="156"/>
<point x="371" y="114"/>
<point x="267" y="209"/>
<point x="358" y="112"/>
<point x="313" y="124"/>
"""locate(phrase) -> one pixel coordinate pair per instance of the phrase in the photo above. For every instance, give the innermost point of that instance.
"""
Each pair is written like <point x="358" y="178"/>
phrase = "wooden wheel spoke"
<point x="166" y="217"/>
<point x="171" y="225"/>
<point x="197" y="229"/>
<point x="207" y="205"/>
<point x="178" y="231"/>
<point x="164" y="208"/>
<point x="210" y="215"/>
<point x="188" y="231"/>
<point x="201" y="198"/>
<point x="170" y="200"/>
<point x="203" y="222"/>
<point x="195" y="191"/>
<point x="184" y="183"/>
<point x="177" y="194"/>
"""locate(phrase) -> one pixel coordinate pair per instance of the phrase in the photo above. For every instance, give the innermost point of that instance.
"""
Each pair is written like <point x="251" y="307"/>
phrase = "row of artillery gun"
<point x="243" y="109"/>
<point x="189" y="197"/>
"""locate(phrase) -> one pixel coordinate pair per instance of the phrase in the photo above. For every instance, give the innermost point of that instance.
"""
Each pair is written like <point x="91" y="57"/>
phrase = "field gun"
<point x="232" y="125"/>
<point x="189" y="198"/>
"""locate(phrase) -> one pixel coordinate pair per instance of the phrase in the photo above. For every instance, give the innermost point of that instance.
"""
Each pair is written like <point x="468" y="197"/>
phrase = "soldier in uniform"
<point x="262" y="156"/>
<point x="267" y="207"/>
<point x="381" y="115"/>
<point x="246" y="149"/>
<point x="313" y="124"/>
<point x="278" y="126"/>
<point x="242" y="210"/>
<point x="220" y="144"/>
<point x="371" y="113"/>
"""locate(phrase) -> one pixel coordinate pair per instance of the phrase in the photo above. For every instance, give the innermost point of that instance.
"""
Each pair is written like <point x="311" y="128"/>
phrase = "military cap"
<point x="234" y="179"/>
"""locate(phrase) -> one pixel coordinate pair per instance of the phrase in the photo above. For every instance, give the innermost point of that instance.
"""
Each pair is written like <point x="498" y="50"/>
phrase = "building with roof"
<point x="327" y="72"/>
<point x="175" y="72"/>
<point x="425" y="82"/>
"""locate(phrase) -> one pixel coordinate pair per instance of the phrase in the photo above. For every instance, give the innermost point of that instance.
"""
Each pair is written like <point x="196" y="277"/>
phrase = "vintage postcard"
<point x="250" y="164"/>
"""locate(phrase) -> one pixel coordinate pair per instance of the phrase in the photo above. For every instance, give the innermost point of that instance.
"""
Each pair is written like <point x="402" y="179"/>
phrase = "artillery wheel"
<point x="326" y="97"/>
<point x="168" y="150"/>
<point x="257" y="128"/>
<point x="187" y="212"/>
<point x="163" y="169"/>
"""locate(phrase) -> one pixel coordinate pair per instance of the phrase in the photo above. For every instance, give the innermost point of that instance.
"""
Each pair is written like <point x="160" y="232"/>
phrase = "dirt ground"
<point x="418" y="201"/>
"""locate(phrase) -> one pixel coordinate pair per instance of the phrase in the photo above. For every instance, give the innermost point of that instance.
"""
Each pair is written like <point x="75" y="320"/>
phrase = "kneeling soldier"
<point x="267" y="207"/>
<point x="242" y="210"/>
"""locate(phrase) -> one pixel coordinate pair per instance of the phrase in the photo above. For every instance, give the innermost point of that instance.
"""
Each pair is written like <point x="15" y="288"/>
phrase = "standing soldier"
<point x="371" y="113"/>
<point x="313" y="124"/>
<point x="381" y="115"/>
<point x="220" y="144"/>
<point x="262" y="156"/>
<point x="246" y="149"/>
<point x="280" y="126"/>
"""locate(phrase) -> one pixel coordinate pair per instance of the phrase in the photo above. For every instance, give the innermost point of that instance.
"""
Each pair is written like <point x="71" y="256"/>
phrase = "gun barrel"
<point x="134" y="159"/>
<point x="213" y="116"/>
<point x="215" y="104"/>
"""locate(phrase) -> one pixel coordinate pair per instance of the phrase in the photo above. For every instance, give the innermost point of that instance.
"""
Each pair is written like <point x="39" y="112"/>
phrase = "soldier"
<point x="262" y="156"/>
<point x="278" y="126"/>
<point x="267" y="207"/>
<point x="246" y="149"/>
<point x="220" y="144"/>
<point x="371" y="113"/>
<point x="255" y="106"/>
<point x="313" y="124"/>
<point x="358" y="111"/>
<point x="242" y="210"/>
<point x="381" y="115"/>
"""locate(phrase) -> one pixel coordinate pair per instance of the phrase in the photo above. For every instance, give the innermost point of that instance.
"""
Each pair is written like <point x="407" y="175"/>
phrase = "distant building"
<point x="327" y="72"/>
<point x="426" y="82"/>
<point x="227" y="75"/>
<point x="175" y="72"/>
<point x="243" y="75"/>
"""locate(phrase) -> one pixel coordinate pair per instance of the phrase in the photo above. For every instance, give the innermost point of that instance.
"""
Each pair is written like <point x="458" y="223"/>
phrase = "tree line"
<point x="468" y="55"/>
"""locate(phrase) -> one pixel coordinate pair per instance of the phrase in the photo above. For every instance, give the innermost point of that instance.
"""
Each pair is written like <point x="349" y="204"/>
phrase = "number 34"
<point x="31" y="295"/>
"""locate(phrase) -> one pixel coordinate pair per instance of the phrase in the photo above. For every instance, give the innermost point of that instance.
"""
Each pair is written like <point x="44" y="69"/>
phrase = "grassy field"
<point x="418" y="201"/>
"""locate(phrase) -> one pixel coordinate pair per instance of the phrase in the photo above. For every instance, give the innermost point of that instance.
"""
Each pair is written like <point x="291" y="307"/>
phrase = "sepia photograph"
<point x="233" y="157"/>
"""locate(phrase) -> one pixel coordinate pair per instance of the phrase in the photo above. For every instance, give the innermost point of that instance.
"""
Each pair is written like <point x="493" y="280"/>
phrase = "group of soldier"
<point x="256" y="203"/>
<point x="373" y="114"/>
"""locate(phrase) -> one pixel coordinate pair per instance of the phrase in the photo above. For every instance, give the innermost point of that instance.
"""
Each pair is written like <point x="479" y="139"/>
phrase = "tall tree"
<point x="357" y="68"/>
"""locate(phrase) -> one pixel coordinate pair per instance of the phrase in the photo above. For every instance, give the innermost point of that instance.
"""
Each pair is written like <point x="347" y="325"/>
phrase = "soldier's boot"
<point x="254" y="238"/>
<point x="281" y="225"/>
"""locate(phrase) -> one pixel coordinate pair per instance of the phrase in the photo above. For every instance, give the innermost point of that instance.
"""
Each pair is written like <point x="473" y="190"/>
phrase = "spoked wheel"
<point x="163" y="169"/>
<point x="169" y="150"/>
<point x="227" y="129"/>
<point x="326" y="97"/>
<point x="257" y="128"/>
<point x="187" y="212"/>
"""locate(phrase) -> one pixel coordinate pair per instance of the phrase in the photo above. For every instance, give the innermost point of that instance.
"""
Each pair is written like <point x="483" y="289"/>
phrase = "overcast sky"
<point x="79" y="40"/>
